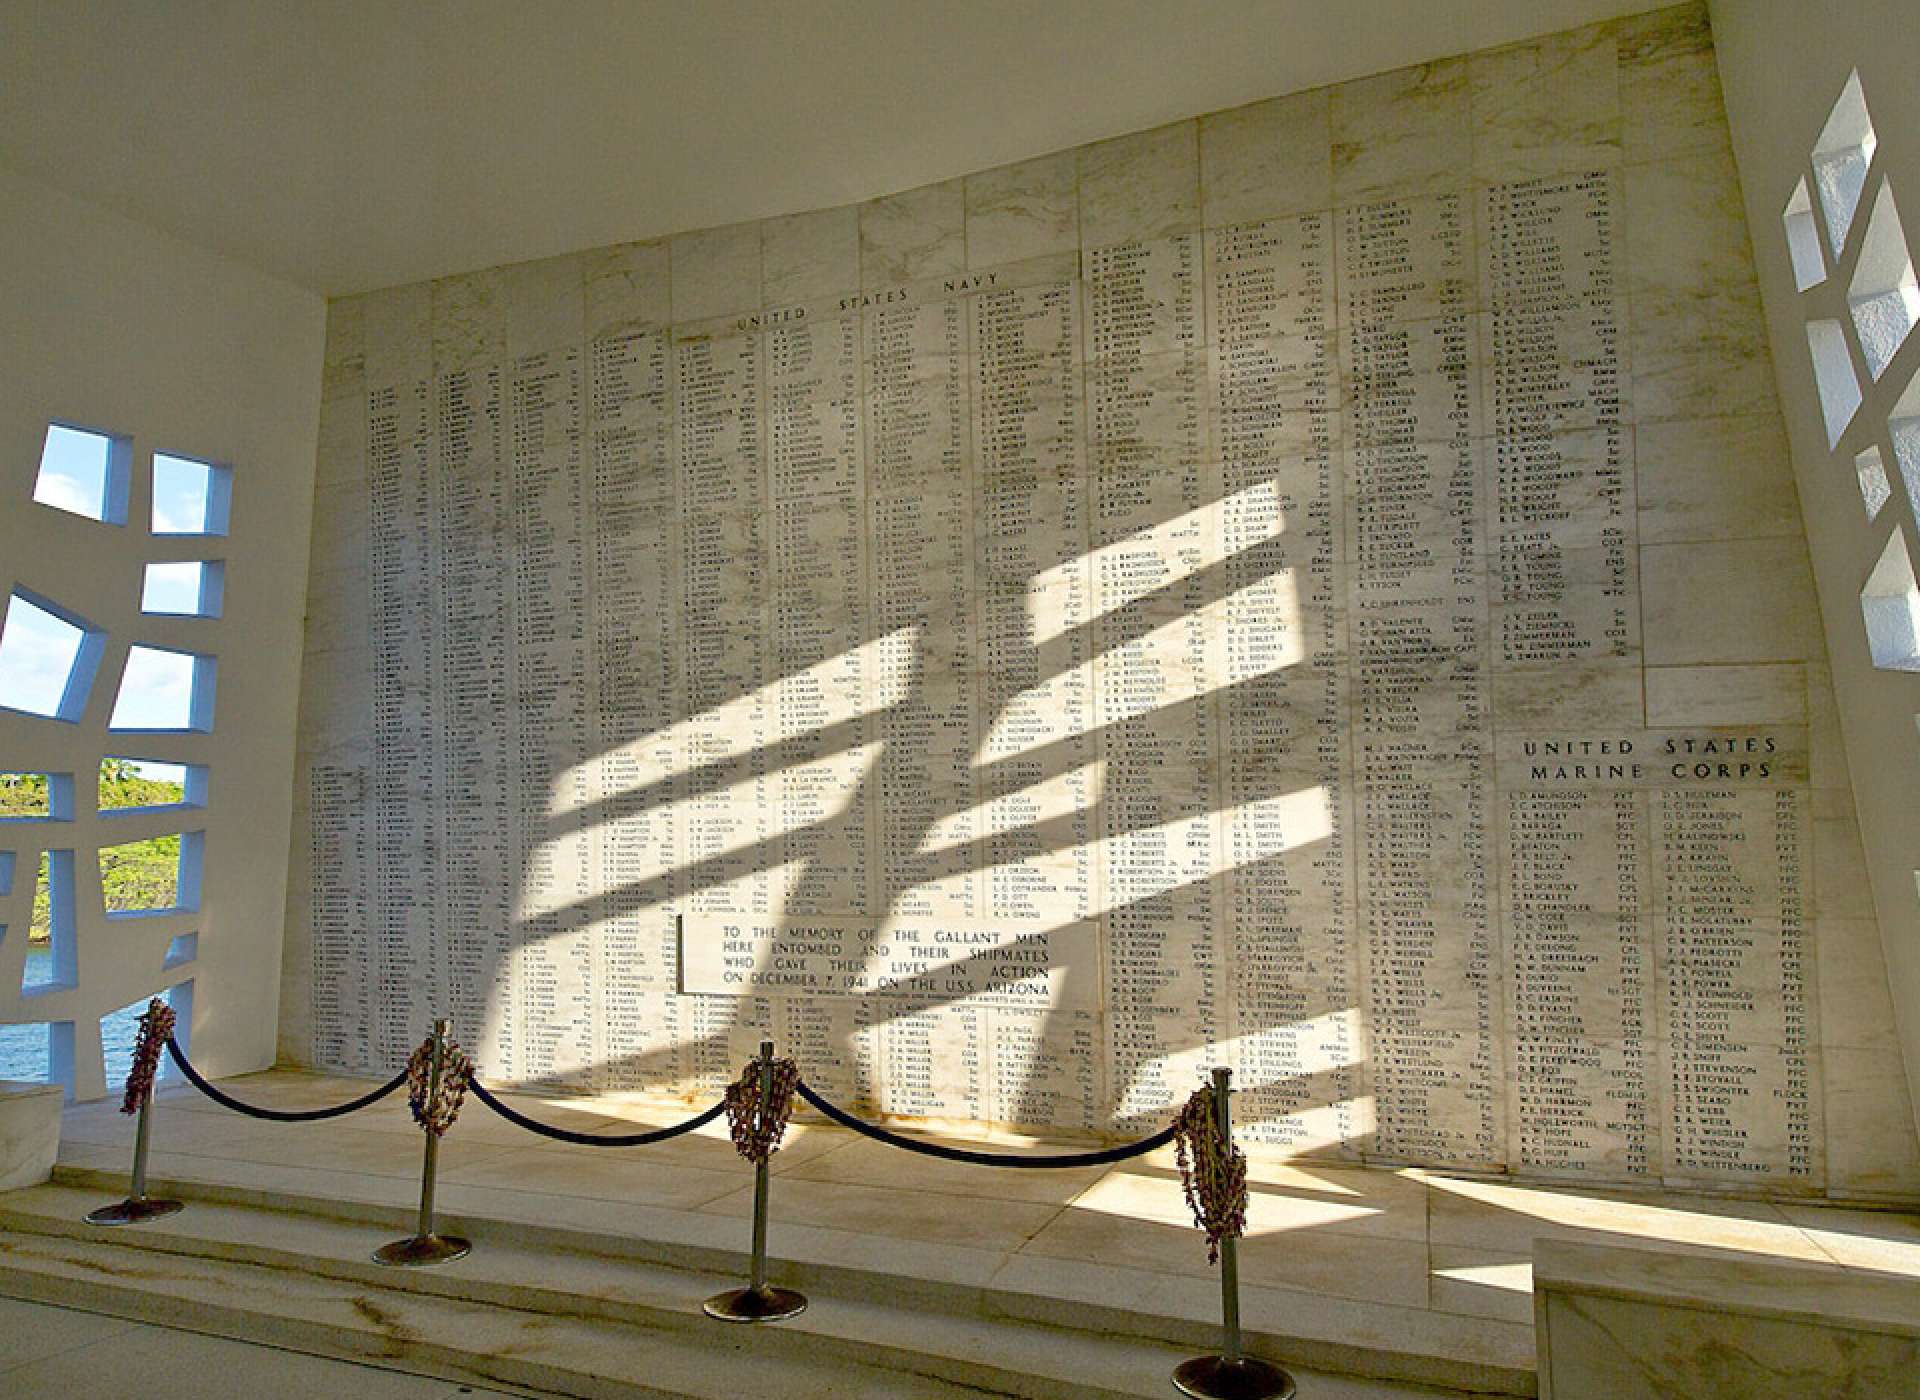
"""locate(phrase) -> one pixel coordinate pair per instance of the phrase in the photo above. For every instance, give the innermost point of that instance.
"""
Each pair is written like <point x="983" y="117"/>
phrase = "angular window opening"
<point x="190" y="497"/>
<point x="143" y="785"/>
<point x="1803" y="240"/>
<point x="1874" y="486"/>
<point x="120" y="1031"/>
<point x="1833" y="373"/>
<point x="6" y="885"/>
<point x="158" y="876"/>
<point x="1841" y="158"/>
<point x="181" y="951"/>
<point x="26" y="1052"/>
<point x="1883" y="297"/>
<point x="164" y="691"/>
<point x="48" y="657"/>
<point x="53" y="959"/>
<point x="1903" y="425"/>
<point x="36" y="797"/>
<point x="194" y="588"/>
<point x="1890" y="604"/>
<point x="84" y="473"/>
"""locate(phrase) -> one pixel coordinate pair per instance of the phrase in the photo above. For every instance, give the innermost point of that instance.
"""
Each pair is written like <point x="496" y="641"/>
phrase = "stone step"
<point x="1000" y="1338"/>
<point x="425" y="1334"/>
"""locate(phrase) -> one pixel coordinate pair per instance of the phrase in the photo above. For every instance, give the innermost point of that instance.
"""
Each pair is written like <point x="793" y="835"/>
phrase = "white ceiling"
<point x="350" y="144"/>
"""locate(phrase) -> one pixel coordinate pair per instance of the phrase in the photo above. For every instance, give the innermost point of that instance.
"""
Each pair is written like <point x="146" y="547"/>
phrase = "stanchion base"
<point x="755" y="1305"/>
<point x="1216" y="1378"/>
<point x="422" y="1251"/>
<point x="132" y="1211"/>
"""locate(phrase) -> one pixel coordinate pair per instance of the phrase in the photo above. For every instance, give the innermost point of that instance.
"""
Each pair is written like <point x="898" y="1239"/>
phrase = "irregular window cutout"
<point x="143" y="785"/>
<point x="1875" y="489"/>
<point x="191" y="588"/>
<point x="47" y="659"/>
<point x="1833" y="374"/>
<point x="189" y="497"/>
<point x="1884" y="298"/>
<point x="1890" y="605"/>
<point x="1841" y="159"/>
<point x="1803" y="240"/>
<point x="83" y="473"/>
<point x="163" y="690"/>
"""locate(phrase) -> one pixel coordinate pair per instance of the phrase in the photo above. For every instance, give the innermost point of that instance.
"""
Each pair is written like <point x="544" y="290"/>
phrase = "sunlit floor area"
<point x="1418" y="1261"/>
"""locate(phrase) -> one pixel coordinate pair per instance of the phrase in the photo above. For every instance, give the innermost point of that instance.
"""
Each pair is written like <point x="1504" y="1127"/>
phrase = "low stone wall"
<point x="1625" y="1323"/>
<point x="29" y="1132"/>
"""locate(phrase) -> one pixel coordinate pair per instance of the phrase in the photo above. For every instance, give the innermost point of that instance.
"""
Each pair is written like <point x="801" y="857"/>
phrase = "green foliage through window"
<point x="138" y="875"/>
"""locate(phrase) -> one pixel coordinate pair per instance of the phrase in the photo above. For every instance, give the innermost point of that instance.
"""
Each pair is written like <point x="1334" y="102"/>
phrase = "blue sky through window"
<point x="172" y="588"/>
<point x="37" y="653"/>
<point x="156" y="691"/>
<point x="182" y="492"/>
<point x="74" y="471"/>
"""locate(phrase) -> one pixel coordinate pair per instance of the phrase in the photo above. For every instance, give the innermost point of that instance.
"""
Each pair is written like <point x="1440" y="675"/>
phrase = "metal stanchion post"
<point x="1231" y="1375"/>
<point x="758" y="1302"/>
<point x="138" y="1206"/>
<point x="425" y="1247"/>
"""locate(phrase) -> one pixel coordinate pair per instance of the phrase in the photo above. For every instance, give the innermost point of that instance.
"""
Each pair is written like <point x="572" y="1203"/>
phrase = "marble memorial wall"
<point x="1316" y="587"/>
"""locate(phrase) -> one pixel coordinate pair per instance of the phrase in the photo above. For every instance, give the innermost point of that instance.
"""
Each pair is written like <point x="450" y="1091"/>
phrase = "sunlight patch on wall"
<point x="1164" y="658"/>
<point x="736" y="729"/>
<point x="1164" y="554"/>
<point x="1061" y="795"/>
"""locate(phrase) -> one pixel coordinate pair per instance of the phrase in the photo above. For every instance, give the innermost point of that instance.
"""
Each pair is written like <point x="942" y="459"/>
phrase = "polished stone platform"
<point x="1410" y="1277"/>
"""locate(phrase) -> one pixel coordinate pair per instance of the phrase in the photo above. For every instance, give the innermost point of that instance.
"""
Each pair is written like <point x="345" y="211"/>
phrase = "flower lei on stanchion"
<point x="1213" y="1173"/>
<point x="756" y="1135"/>
<point x="156" y="1026"/>
<point x="456" y="1071"/>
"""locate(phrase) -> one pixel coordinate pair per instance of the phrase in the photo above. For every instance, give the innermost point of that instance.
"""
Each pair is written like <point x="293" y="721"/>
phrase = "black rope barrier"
<point x="279" y="1115"/>
<point x="988" y="1159"/>
<point x="532" y="1125"/>
<point x="831" y="1110"/>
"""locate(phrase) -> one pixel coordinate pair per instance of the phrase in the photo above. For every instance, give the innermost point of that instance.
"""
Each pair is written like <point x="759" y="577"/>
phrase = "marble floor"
<point x="1406" y="1253"/>
<point x="58" y="1352"/>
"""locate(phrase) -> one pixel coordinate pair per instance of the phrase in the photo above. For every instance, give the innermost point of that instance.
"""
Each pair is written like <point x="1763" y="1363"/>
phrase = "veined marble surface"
<point x="1630" y="1322"/>
<point x="1340" y="550"/>
<point x="29" y="1132"/>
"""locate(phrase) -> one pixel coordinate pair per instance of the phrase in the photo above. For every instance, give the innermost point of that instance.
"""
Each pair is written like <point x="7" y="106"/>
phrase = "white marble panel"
<point x="716" y="272"/>
<point x="469" y="320"/>
<point x="399" y="335"/>
<point x="1669" y="84"/>
<point x="913" y="234"/>
<point x="1726" y="694"/>
<point x="1698" y="353"/>
<point x="817" y="254"/>
<point x="1686" y="227"/>
<point x="29" y="1132"/>
<point x="627" y="285"/>
<point x="1267" y="160"/>
<point x="1027" y="210"/>
<point x="1739" y="601"/>
<point x="1408" y="132"/>
<point x="1547" y="106"/>
<point x="545" y="304"/>
<point x="1715" y="479"/>
<point x="1140" y="187"/>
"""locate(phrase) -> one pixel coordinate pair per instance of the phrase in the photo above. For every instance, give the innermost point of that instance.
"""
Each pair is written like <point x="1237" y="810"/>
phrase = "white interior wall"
<point x="108" y="324"/>
<point x="1783" y="63"/>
